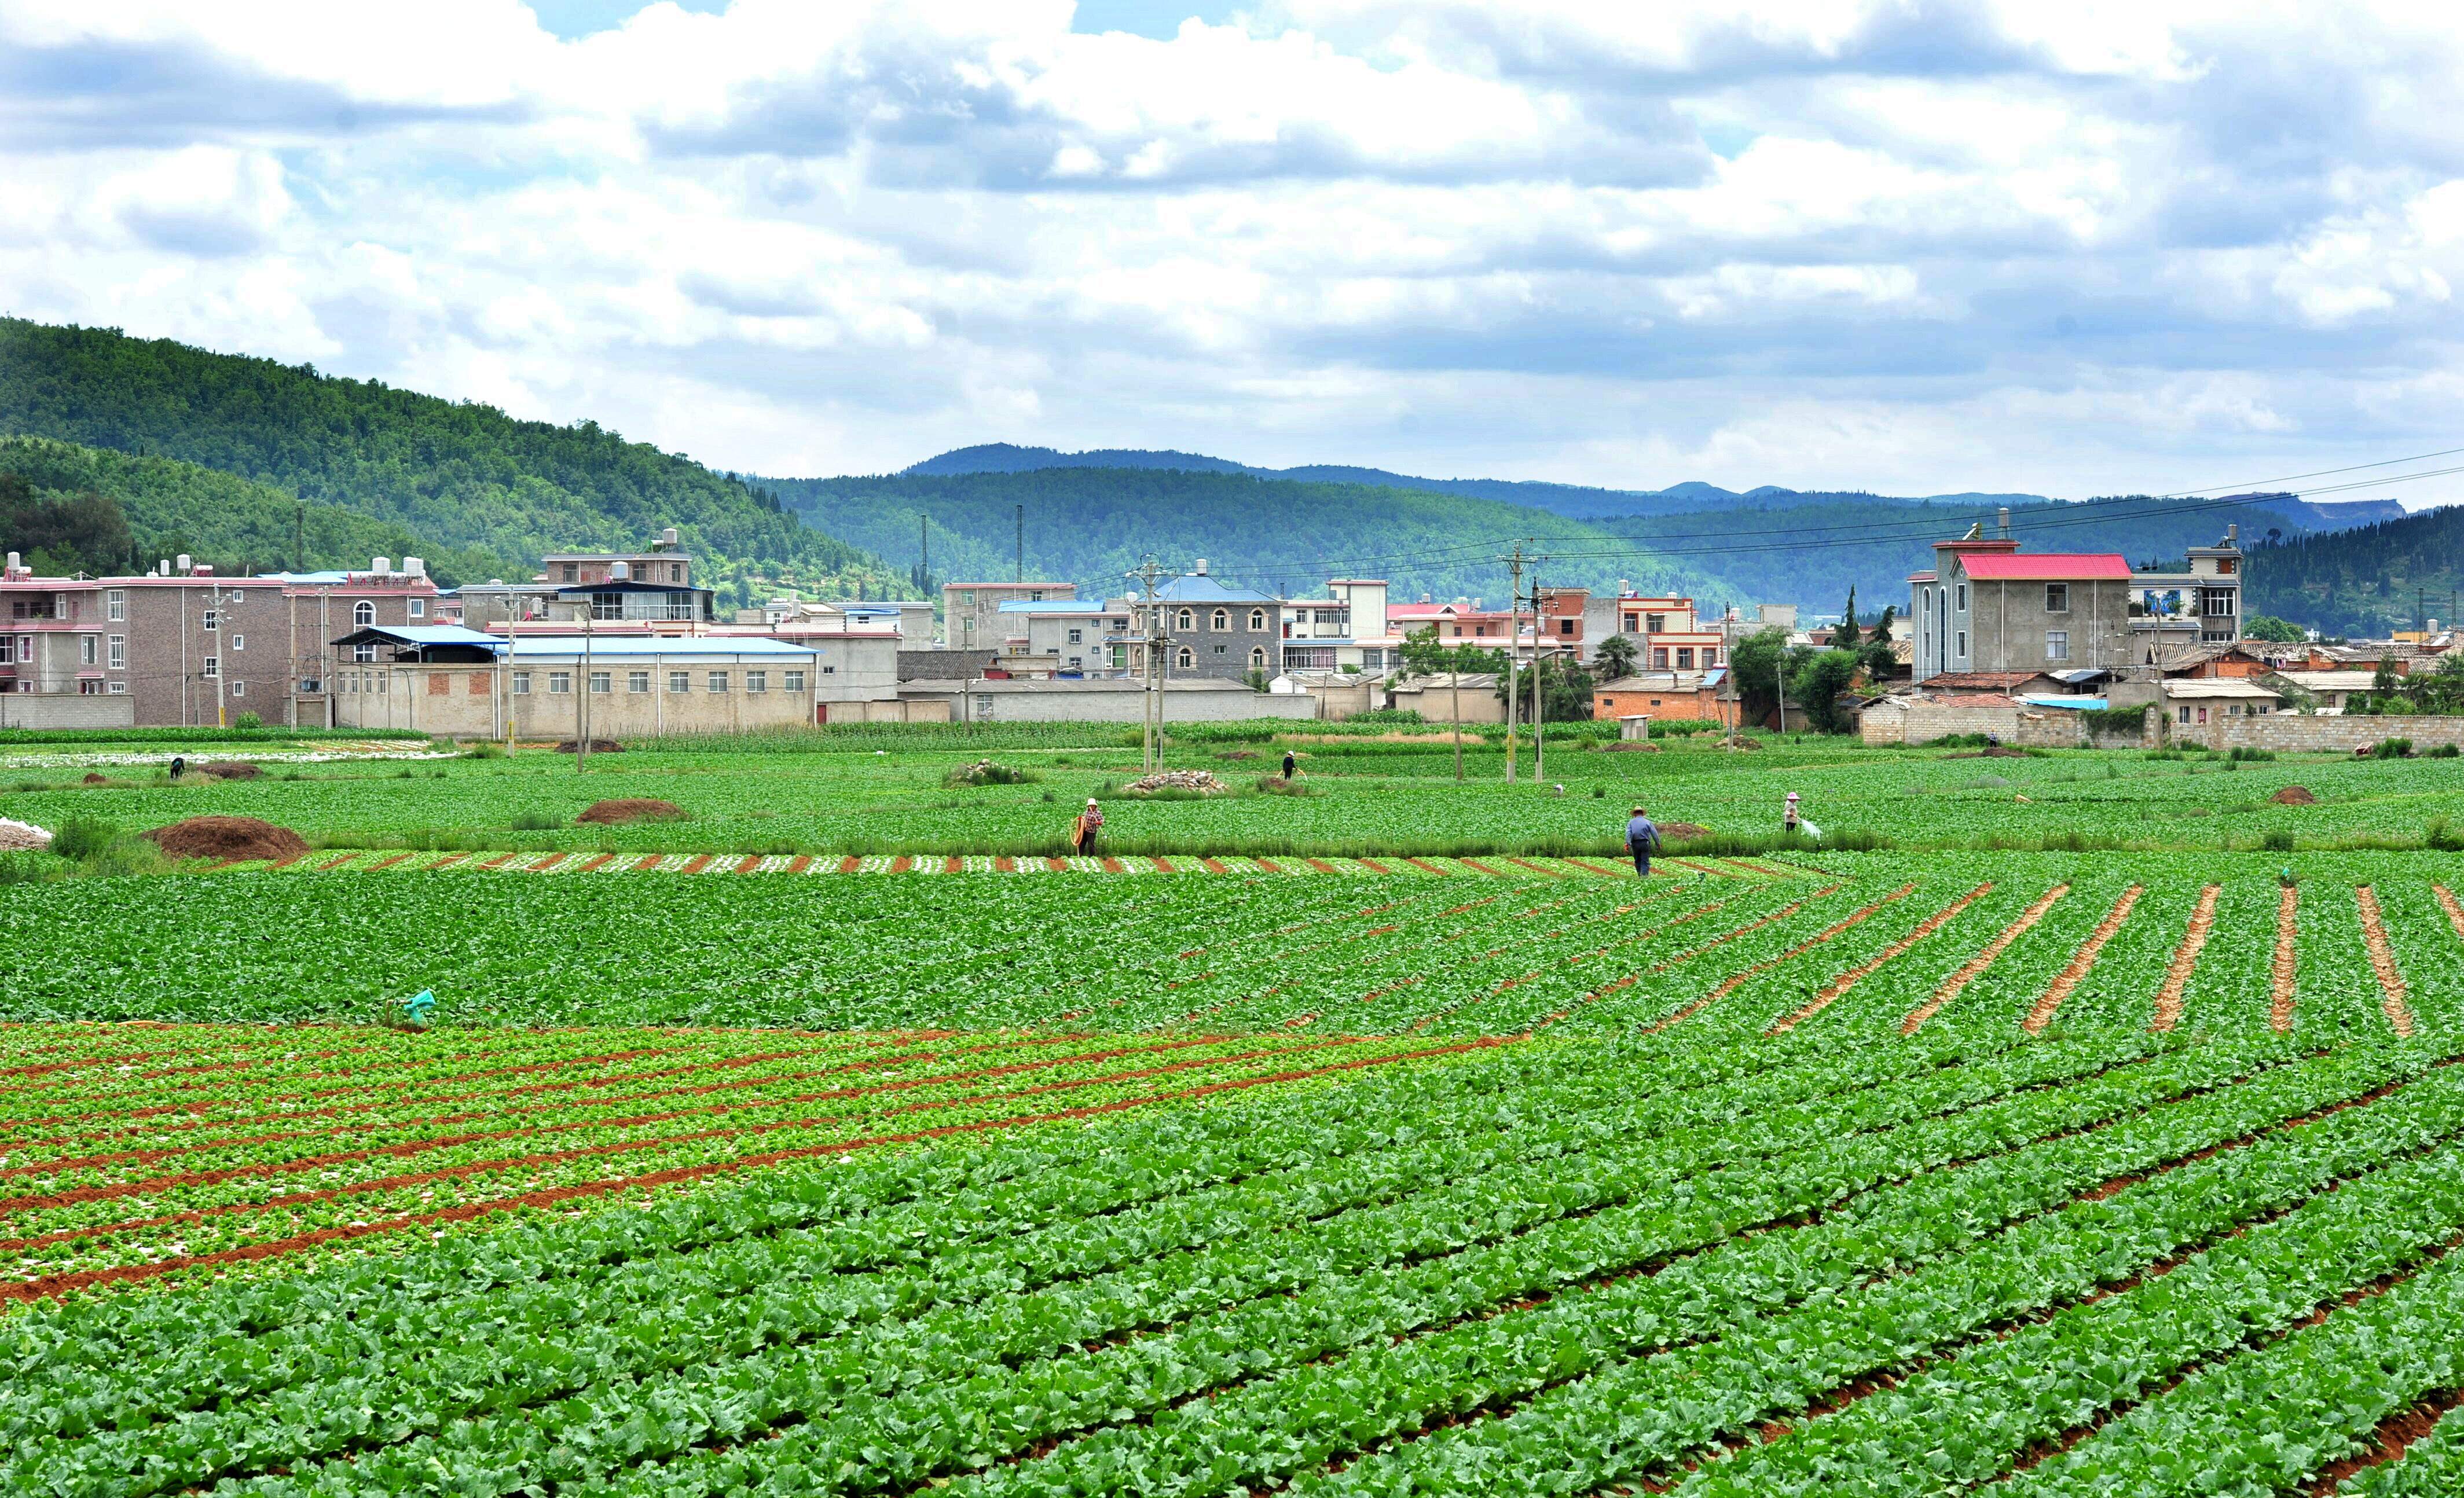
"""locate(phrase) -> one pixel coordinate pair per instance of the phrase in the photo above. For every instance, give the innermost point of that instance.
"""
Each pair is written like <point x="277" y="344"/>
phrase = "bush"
<point x="1404" y="716"/>
<point x="248" y="722"/>
<point x="2443" y="837"/>
<point x="2446" y="752"/>
<point x="2391" y="749"/>
<point x="1681" y="727"/>
<point x="485" y="749"/>
<point x="988" y="772"/>
<point x="2115" y="722"/>
<point x="2248" y="754"/>
<point x="80" y="838"/>
<point x="2278" y="841"/>
<point x="535" y="822"/>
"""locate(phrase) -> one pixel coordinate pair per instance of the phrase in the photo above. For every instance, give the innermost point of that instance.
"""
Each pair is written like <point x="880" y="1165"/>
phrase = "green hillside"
<point x="2366" y="582"/>
<point x="1091" y="525"/>
<point x="462" y="476"/>
<point x="236" y="523"/>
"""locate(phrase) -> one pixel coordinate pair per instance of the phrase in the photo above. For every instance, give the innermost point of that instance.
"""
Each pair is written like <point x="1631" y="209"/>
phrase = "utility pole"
<point x="1513" y="653"/>
<point x="1020" y="575"/>
<point x="1539" y="688"/>
<point x="1150" y="648"/>
<point x="1454" y="705"/>
<point x="222" y="656"/>
<point x="1779" y="679"/>
<point x="924" y="549"/>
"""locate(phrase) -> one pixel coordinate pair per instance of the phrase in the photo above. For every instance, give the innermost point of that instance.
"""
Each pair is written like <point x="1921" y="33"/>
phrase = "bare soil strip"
<point x="2391" y="985"/>
<point x="56" y="1284"/>
<point x="2389" y="1442"/>
<point x="1550" y="873"/>
<point x="1976" y="968"/>
<point x="2185" y="961"/>
<point x="2288" y="924"/>
<point x="1735" y="980"/>
<point x="2454" y="912"/>
<point x="2076" y="971"/>
<point x="1477" y="867"/>
<point x="1851" y="978"/>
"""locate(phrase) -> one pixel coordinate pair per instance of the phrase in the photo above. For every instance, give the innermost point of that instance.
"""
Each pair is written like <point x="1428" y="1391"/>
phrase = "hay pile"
<point x="597" y="746"/>
<point x="231" y="770"/>
<point x="96" y="778"/>
<point x="2294" y="795"/>
<point x="1682" y="831"/>
<point x="1633" y="746"/>
<point x="1202" y="782"/>
<point x="228" y="837"/>
<point x="631" y="810"/>
<point x="17" y="837"/>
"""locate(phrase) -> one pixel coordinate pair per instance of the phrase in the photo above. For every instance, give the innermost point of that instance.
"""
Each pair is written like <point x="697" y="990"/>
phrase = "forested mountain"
<point x="460" y="477"/>
<point x="167" y="508"/>
<point x="2363" y="583"/>
<point x="1091" y="525"/>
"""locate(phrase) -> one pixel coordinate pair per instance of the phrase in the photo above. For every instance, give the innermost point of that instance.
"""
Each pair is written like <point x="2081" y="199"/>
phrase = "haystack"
<point x="2294" y="795"/>
<point x="633" y="810"/>
<point x="228" y="837"/>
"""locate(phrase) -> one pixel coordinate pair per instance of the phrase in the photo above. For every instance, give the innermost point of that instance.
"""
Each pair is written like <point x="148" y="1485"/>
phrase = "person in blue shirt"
<point x="1641" y="840"/>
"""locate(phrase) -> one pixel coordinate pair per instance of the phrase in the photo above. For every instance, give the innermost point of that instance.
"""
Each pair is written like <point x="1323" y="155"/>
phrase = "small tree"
<point x="1845" y="636"/>
<point x="1881" y="633"/>
<point x="1815" y="683"/>
<point x="1754" y="666"/>
<point x="1615" y="657"/>
<point x="2269" y="627"/>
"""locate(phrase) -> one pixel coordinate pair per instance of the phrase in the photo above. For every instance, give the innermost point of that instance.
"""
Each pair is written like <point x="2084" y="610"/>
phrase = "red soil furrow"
<point x="1850" y="978"/>
<point x="1424" y="866"/>
<point x="1500" y="986"/>
<point x="954" y="864"/>
<point x="2454" y="912"/>
<point x="338" y="861"/>
<point x="446" y="862"/>
<point x="1591" y="867"/>
<point x="2286" y="966"/>
<point x="69" y="1084"/>
<point x="291" y="1167"/>
<point x="1550" y="873"/>
<point x="499" y="861"/>
<point x="2185" y="961"/>
<point x="56" y="1284"/>
<point x="386" y="862"/>
<point x="1735" y="980"/>
<point x="1114" y="865"/>
<point x="1163" y="865"/>
<point x="697" y="864"/>
<point x="1003" y="864"/>
<point x="1477" y="867"/>
<point x="1267" y="865"/>
<point x="1469" y="905"/>
<point x="594" y="863"/>
<point x="1698" y="868"/>
<point x="1213" y="865"/>
<point x="2391" y="985"/>
<point x="1322" y="866"/>
<point x="1630" y="980"/>
<point x="1380" y="993"/>
<point x="46" y="1068"/>
<point x="554" y="861"/>
<point x="1975" y="966"/>
<point x="797" y="864"/>
<point x="1373" y="866"/>
<point x="2389" y="1442"/>
<point x="251" y="1060"/>
<point x="2074" y="972"/>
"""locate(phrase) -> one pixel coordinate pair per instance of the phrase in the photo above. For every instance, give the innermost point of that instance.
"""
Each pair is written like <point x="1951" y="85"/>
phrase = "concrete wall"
<point x="898" y="710"/>
<point x="65" y="709"/>
<point x="2294" y="733"/>
<point x="1926" y="722"/>
<point x="1061" y="704"/>
<point x="469" y="701"/>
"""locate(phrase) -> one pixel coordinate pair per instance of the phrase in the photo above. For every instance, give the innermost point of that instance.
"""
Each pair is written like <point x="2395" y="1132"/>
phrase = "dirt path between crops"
<point x="1735" y="980"/>
<point x="2185" y="961"/>
<point x="2391" y="985"/>
<point x="51" y="1286"/>
<point x="1974" y="967"/>
<point x="1850" y="978"/>
<point x="2454" y="912"/>
<point x="2076" y="971"/>
<point x="2286" y="966"/>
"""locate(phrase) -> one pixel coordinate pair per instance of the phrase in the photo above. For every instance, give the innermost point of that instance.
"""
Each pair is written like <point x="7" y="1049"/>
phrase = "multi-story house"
<point x="2200" y="604"/>
<point x="1665" y="630"/>
<point x="971" y="613"/>
<point x="1347" y="630"/>
<point x="1082" y="636"/>
<point x="1986" y="606"/>
<point x="1210" y="628"/>
<point x="655" y="585"/>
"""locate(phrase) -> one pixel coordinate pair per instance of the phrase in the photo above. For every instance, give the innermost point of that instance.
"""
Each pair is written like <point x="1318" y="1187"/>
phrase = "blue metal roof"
<point x="2048" y="699"/>
<point x="1200" y="587"/>
<point x="607" y="648"/>
<point x="435" y="635"/>
<point x="1053" y="605"/>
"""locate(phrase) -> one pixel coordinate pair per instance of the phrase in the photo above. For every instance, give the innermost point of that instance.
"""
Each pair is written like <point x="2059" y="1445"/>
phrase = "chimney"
<point x="1201" y="568"/>
<point x="2002" y="523"/>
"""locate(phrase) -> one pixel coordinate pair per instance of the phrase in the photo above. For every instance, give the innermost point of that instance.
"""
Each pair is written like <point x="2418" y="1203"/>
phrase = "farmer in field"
<point x="1788" y="821"/>
<point x="1290" y="763"/>
<point x="1641" y="840"/>
<point x="1089" y="822"/>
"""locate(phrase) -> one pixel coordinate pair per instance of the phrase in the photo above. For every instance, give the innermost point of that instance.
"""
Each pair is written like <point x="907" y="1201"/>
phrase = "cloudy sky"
<point x="1913" y="247"/>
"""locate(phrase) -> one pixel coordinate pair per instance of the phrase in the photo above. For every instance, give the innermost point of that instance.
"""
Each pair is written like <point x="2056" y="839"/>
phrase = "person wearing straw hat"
<point x="1089" y="822"/>
<point x="1641" y="840"/>
<point x="1788" y="821"/>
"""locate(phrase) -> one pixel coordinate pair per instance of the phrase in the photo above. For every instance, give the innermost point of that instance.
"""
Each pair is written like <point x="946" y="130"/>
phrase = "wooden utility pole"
<point x="1018" y="575"/>
<point x="1539" y="688"/>
<point x="1454" y="702"/>
<point x="581" y="703"/>
<point x="1151" y="648"/>
<point x="1513" y="653"/>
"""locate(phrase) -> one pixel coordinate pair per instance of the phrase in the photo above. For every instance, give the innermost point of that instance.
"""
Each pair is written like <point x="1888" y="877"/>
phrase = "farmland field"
<point x="1411" y="1169"/>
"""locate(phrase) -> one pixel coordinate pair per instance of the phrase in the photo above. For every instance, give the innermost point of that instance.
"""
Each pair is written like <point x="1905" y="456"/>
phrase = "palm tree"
<point x="1615" y="657"/>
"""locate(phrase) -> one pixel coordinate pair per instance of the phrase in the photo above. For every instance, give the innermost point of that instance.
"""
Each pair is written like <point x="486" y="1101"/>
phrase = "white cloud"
<point x="1872" y="245"/>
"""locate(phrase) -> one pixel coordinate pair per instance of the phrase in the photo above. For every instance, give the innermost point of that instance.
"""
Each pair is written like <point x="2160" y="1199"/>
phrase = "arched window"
<point x="1188" y="620"/>
<point x="1221" y="621"/>
<point x="1257" y="657"/>
<point x="1257" y="620"/>
<point x="1188" y="658"/>
<point x="363" y="614"/>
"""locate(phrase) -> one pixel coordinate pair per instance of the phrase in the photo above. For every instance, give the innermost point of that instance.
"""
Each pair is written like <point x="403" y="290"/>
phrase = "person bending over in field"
<point x="1641" y="840"/>
<point x="1089" y="822"/>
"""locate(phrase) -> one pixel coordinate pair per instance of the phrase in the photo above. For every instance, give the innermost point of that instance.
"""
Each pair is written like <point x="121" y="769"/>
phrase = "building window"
<point x="89" y="650"/>
<point x="1660" y="657"/>
<point x="1685" y="657"/>
<point x="718" y="681"/>
<point x="1188" y="659"/>
<point x="119" y="689"/>
<point x="363" y="614"/>
<point x="791" y="681"/>
<point x="679" y="681"/>
<point x="1962" y="651"/>
<point x="1632" y="622"/>
<point x="573" y="572"/>
<point x="829" y="670"/>
<point x="363" y="654"/>
<point x="239" y="688"/>
<point x="419" y="609"/>
<point x="2058" y="598"/>
<point x="214" y="665"/>
<point x="1565" y="626"/>
<point x="117" y="655"/>
<point x="2057" y="644"/>
<point x="213" y="620"/>
<point x="115" y="604"/>
<point x="1257" y="657"/>
<point x="1187" y="620"/>
<point x="382" y="678"/>
<point x="1961" y="602"/>
<point x="2216" y="602"/>
<point x="675" y="571"/>
<point x="967" y="598"/>
<point x="1257" y="620"/>
<point x="1219" y="620"/>
<point x="1711" y="656"/>
<point x="757" y="681"/>
<point x="9" y="651"/>
<point x="560" y="683"/>
<point x="637" y="682"/>
<point x="239" y="642"/>
<point x="602" y="683"/>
